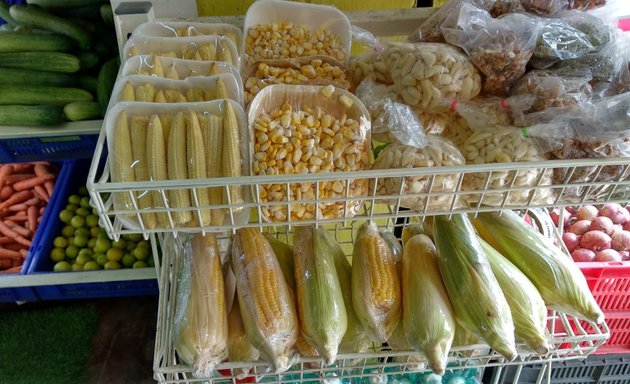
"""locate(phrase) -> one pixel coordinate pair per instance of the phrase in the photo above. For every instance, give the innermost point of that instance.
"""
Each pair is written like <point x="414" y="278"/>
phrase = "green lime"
<point x="82" y="232"/>
<point x="62" y="266"/>
<point x="91" y="243"/>
<point x="94" y="212"/>
<point x="86" y="252"/>
<point x="71" y="240"/>
<point x="91" y="266"/>
<point x="65" y="216"/>
<point x="94" y="231"/>
<point x="112" y="265"/>
<point x="91" y="221"/>
<point x="144" y="244"/>
<point x="67" y="231"/>
<point x="85" y="202"/>
<point x="72" y="251"/>
<point x="115" y="254"/>
<point x="72" y="207"/>
<point x="141" y="253"/>
<point x="83" y="191"/>
<point x="139" y="264"/>
<point x="102" y="245"/>
<point x="101" y="259"/>
<point x="77" y="221"/>
<point x="80" y="241"/>
<point x="130" y="245"/>
<point x="120" y="244"/>
<point x="82" y="259"/>
<point x="74" y="199"/>
<point x="60" y="242"/>
<point x="77" y="267"/>
<point x="83" y="212"/>
<point x="128" y="260"/>
<point x="57" y="255"/>
<point x="101" y="234"/>
<point x="150" y="262"/>
<point x="133" y="237"/>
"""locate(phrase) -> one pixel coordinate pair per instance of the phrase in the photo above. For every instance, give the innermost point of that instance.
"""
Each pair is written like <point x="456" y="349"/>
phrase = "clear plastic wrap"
<point x="285" y="141"/>
<point x="546" y="7"/>
<point x="456" y="128"/>
<point x="305" y="70"/>
<point x="430" y="76"/>
<point x="555" y="88"/>
<point x="558" y="41"/>
<point x="501" y="7"/>
<point x="499" y="48"/>
<point x="438" y="152"/>
<point x="201" y="322"/>
<point x="482" y="113"/>
<point x="176" y="69"/>
<point x="174" y="29"/>
<point x="504" y="145"/>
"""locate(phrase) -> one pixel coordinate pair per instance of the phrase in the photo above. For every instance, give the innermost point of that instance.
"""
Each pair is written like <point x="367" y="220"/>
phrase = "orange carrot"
<point x="41" y="211"/>
<point x="33" y="181"/>
<point x="6" y="240"/>
<point x="23" y="252"/>
<point x="32" y="218"/>
<point x="23" y="240"/>
<point x="41" y="193"/>
<point x="12" y="270"/>
<point x="33" y="201"/>
<point x="22" y="167"/>
<point x="16" y="199"/>
<point x="6" y="192"/>
<point x="8" y="254"/>
<point x="5" y="171"/>
<point x="49" y="187"/>
<point x="16" y="218"/>
<point x="17" y="228"/>
<point x="13" y="247"/>
<point x="17" y="177"/>
<point x="41" y="169"/>
<point x="18" y="207"/>
<point x="5" y="230"/>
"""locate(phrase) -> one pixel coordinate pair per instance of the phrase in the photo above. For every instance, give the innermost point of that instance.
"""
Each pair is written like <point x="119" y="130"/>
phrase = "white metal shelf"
<point x="62" y="278"/>
<point x="88" y="127"/>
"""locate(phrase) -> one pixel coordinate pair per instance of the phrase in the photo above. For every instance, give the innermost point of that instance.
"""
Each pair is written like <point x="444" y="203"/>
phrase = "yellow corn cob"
<point x="143" y="72"/>
<point x="159" y="96"/>
<point x="554" y="274"/>
<point x="139" y="130"/>
<point x="181" y="98"/>
<point x="133" y="51"/>
<point x="410" y="231"/>
<point x="194" y="95"/>
<point x="157" y="67"/>
<point x="178" y="170"/>
<point x="321" y="309"/>
<point x="214" y="69"/>
<point x="212" y="131"/>
<point x="197" y="56"/>
<point x="209" y="95"/>
<point x="207" y="52"/>
<point x="156" y="162"/>
<point x="427" y="313"/>
<point x="202" y="331"/>
<point x="231" y="152"/>
<point x="224" y="53"/>
<point x="376" y="296"/>
<point x="396" y="248"/>
<point x="167" y="122"/>
<point x="169" y="54"/>
<point x="128" y="93"/>
<point x="171" y="95"/>
<point x="172" y="73"/>
<point x="239" y="347"/>
<point x="267" y="307"/>
<point x="527" y="307"/>
<point x="478" y="302"/>
<point x="284" y="254"/>
<point x="222" y="92"/>
<point x="121" y="169"/>
<point x="463" y="337"/>
<point x="197" y="168"/>
<point x="398" y="342"/>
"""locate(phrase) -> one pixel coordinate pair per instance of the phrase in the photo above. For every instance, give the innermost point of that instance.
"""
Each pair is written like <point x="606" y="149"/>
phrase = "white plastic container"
<point x="163" y="28"/>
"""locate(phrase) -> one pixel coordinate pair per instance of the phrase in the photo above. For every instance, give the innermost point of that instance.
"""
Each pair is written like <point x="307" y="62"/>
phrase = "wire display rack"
<point x="569" y="338"/>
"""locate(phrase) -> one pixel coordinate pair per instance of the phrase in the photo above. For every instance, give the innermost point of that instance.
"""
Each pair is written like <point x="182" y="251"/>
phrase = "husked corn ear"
<point x="194" y="95"/>
<point x="206" y="52"/>
<point x="214" y="69"/>
<point x="157" y="67"/>
<point x="376" y="295"/>
<point x="166" y="119"/>
<point x="212" y="131"/>
<point x="139" y="131"/>
<point x="128" y="92"/>
<point x="121" y="168"/>
<point x="463" y="337"/>
<point x="321" y="308"/>
<point x="197" y="169"/>
<point x="222" y="92"/>
<point x="145" y="92"/>
<point x="267" y="307"/>
<point x="224" y="53"/>
<point x="396" y="248"/>
<point x="172" y="73"/>
<point x="231" y="152"/>
<point x="202" y="326"/>
<point x="239" y="347"/>
<point x="554" y="274"/>
<point x="284" y="254"/>
<point x="527" y="306"/>
<point x="478" y="302"/>
<point x="410" y="231"/>
<point x="427" y="313"/>
<point x="178" y="170"/>
<point x="304" y="348"/>
<point x="156" y="164"/>
<point x="160" y="97"/>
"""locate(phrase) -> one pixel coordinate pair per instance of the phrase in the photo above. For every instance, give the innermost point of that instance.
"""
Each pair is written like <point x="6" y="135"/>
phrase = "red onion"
<point x="595" y="240"/>
<point x="571" y="240"/>
<point x="625" y="255"/>
<point x="608" y="255"/>
<point x="621" y="241"/>
<point x="603" y="224"/>
<point x="587" y="212"/>
<point x="580" y="227"/>
<point x="555" y="216"/>
<point x="616" y="213"/>
<point x="582" y="255"/>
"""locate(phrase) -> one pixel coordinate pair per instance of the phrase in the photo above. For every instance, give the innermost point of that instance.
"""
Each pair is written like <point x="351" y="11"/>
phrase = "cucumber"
<point x="41" y="61"/>
<point x="89" y="83"/>
<point x="39" y="18"/>
<point x="5" y="15"/>
<point x="82" y="110"/>
<point x="34" y="94"/>
<point x="32" y="115"/>
<point x="90" y="12"/>
<point x="22" y="42"/>
<point x="86" y="25"/>
<point x="107" y="14"/>
<point x="63" y="3"/>
<point x="26" y="77"/>
<point x="88" y="60"/>
<point x="105" y="83"/>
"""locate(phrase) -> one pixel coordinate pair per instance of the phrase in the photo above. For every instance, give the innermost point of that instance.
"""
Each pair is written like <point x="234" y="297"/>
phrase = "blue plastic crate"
<point x="47" y="148"/>
<point x="27" y="293"/>
<point x="41" y="263"/>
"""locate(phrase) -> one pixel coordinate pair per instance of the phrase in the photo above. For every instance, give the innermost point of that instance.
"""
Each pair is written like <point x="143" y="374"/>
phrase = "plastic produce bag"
<point x="597" y="30"/>
<point x="502" y="7"/>
<point x="482" y="113"/>
<point x="438" y="152"/>
<point x="558" y="41"/>
<point x="499" y="48"/>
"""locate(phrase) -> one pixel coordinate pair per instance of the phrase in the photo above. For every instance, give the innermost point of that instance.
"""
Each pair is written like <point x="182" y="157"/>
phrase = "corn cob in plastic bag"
<point x="526" y="305"/>
<point x="396" y="248"/>
<point x="265" y="299"/>
<point x="427" y="313"/>
<point x="376" y="296"/>
<point x="398" y="342"/>
<point x="239" y="347"/>
<point x="555" y="275"/>
<point x="478" y="302"/>
<point x="201" y="332"/>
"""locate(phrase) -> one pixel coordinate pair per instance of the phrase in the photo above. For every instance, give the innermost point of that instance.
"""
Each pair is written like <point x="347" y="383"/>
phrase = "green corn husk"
<point x="427" y="313"/>
<point x="464" y="338"/>
<point x="322" y="312"/>
<point x="526" y="305"/>
<point x="284" y="254"/>
<point x="356" y="339"/>
<point x="554" y="274"/>
<point x="478" y="302"/>
<point x="398" y="342"/>
<point x="395" y="247"/>
<point x="239" y="347"/>
<point x="410" y="230"/>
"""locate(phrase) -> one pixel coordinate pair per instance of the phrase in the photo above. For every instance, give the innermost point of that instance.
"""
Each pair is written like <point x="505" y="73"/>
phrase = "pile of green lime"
<point x="84" y="246"/>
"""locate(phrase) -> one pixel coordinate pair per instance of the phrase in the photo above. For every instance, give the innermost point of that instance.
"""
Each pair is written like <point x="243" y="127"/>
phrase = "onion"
<point x="626" y="226"/>
<point x="595" y="240"/>
<point x="571" y="240"/>
<point x="555" y="216"/>
<point x="608" y="255"/>
<point x="603" y="224"/>
<point x="580" y="227"/>
<point x="625" y="255"/>
<point x="582" y="255"/>
<point x="621" y="241"/>
<point x="616" y="213"/>
<point x="587" y="212"/>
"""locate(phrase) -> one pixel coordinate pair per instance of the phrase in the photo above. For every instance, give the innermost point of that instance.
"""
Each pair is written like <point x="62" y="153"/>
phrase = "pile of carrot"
<point x="25" y="190"/>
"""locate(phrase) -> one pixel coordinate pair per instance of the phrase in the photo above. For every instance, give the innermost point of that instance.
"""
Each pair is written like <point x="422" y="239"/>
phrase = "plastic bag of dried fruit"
<point x="499" y="48"/>
<point x="552" y="7"/>
<point x="501" y="7"/>
<point x="558" y="41"/>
